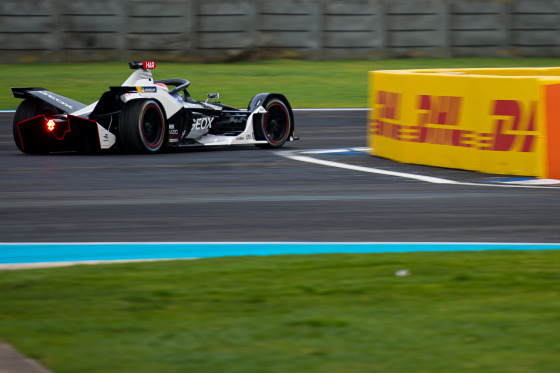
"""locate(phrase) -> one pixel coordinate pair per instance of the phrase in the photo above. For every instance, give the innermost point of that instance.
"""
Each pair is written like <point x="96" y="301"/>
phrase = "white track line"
<point x="423" y="178"/>
<point x="296" y="156"/>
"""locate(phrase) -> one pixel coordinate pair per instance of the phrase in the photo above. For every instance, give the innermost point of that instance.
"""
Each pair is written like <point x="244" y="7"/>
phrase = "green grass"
<point x="305" y="83"/>
<point x="458" y="312"/>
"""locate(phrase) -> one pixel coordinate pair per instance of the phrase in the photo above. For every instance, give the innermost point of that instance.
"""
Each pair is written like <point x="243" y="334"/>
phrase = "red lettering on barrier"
<point x="529" y="139"/>
<point x="443" y="136"/>
<point x="508" y="130"/>
<point x="387" y="109"/>
<point x="439" y="110"/>
<point x="485" y="141"/>
<point x="386" y="129"/>
<point x="389" y="104"/>
<point x="372" y="127"/>
<point x="463" y="137"/>
<point x="510" y="108"/>
<point x="515" y="128"/>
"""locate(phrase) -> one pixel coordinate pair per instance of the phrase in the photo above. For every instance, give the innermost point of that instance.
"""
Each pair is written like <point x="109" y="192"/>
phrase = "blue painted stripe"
<point x="14" y="253"/>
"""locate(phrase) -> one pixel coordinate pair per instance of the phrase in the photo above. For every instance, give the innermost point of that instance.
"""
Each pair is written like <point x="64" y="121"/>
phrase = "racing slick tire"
<point x="27" y="109"/>
<point x="275" y="126"/>
<point x="142" y="127"/>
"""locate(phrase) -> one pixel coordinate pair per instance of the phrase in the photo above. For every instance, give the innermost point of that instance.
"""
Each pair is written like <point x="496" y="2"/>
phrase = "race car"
<point x="146" y="116"/>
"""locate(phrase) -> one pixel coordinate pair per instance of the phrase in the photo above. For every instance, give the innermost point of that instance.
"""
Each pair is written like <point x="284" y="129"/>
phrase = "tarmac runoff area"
<point x="11" y="361"/>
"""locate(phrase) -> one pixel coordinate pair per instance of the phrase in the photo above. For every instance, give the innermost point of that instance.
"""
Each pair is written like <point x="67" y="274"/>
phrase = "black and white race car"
<point x="146" y="116"/>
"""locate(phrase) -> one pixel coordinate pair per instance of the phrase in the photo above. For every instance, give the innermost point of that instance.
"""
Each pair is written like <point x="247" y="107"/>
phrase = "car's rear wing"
<point x="61" y="102"/>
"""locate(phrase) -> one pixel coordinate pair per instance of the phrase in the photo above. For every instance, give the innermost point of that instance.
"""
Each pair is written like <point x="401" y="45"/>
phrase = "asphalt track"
<point x="245" y="194"/>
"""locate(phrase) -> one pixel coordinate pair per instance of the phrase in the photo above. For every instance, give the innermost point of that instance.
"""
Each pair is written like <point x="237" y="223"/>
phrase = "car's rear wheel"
<point x="142" y="126"/>
<point x="27" y="109"/>
<point x="275" y="125"/>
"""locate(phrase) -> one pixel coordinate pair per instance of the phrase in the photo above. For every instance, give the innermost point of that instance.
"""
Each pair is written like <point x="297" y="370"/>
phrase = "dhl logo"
<point x="514" y="126"/>
<point x="438" y="110"/>
<point x="388" y="104"/>
<point x="387" y="112"/>
<point x="437" y="121"/>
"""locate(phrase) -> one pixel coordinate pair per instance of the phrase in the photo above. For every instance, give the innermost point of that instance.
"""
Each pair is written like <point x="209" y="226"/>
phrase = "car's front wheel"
<point x="275" y="125"/>
<point x="142" y="126"/>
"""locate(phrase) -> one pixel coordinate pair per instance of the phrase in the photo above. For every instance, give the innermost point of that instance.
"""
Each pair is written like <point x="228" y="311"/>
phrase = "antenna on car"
<point x="135" y="64"/>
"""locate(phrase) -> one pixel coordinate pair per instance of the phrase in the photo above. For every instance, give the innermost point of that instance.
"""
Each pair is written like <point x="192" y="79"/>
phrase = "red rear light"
<point x="50" y="125"/>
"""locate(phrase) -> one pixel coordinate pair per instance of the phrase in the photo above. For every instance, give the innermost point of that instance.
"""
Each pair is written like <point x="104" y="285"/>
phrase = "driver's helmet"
<point x="164" y="86"/>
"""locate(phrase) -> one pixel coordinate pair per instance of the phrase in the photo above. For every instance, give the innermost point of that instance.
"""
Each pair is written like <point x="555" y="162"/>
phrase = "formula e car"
<point x="146" y="116"/>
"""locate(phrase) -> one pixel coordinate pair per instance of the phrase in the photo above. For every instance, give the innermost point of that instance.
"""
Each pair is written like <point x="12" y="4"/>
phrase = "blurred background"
<point x="233" y="30"/>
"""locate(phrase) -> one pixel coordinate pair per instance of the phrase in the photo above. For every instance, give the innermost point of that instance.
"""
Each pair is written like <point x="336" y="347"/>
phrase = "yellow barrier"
<point x="499" y="121"/>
